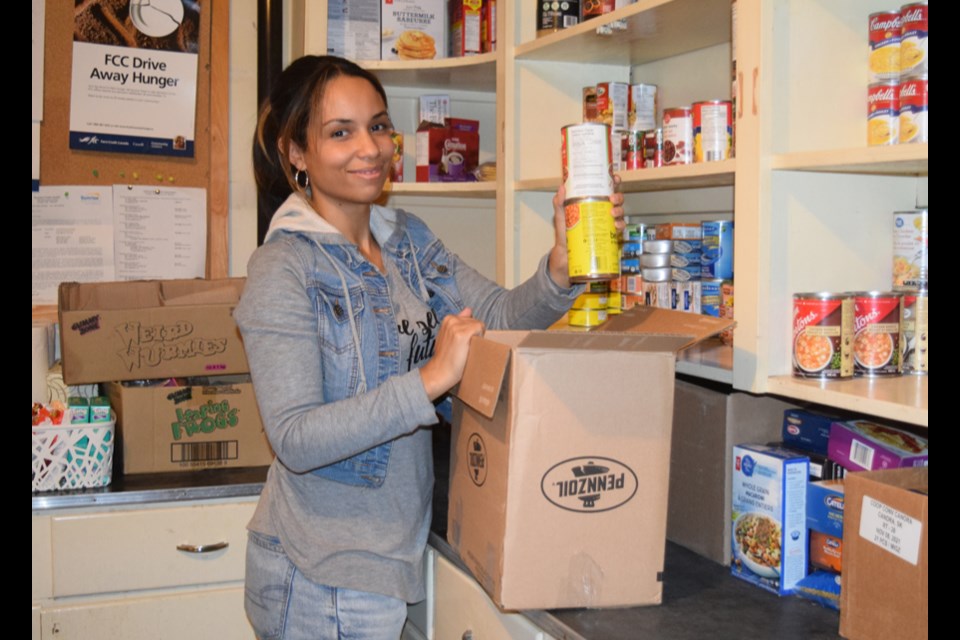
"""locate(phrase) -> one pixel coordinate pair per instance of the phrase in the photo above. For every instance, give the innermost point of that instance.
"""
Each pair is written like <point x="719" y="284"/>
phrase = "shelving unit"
<point x="811" y="202"/>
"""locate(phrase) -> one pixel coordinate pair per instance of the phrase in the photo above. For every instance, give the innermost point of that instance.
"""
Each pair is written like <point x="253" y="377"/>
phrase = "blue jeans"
<point x="281" y="603"/>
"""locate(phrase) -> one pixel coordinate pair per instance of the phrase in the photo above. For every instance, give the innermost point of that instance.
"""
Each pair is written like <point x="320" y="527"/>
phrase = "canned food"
<point x="586" y="317"/>
<point x="884" y="35"/>
<point x="823" y="327"/>
<point x="685" y="296"/>
<point x="913" y="109"/>
<point x="599" y="286"/>
<point x="553" y="16"/>
<point x="590" y="104"/>
<point x="591" y="301"/>
<point x="717" y="251"/>
<point x="656" y="274"/>
<point x="614" y="303"/>
<point x="910" y="266"/>
<point x="637" y="232"/>
<point x="655" y="260"/>
<point x="631" y="249"/>
<point x="677" y="136"/>
<point x="913" y="39"/>
<point x="913" y="333"/>
<point x="710" y="296"/>
<point x="883" y="113"/>
<point x="593" y="249"/>
<point x="726" y="309"/>
<point x="877" y="333"/>
<point x="613" y="99"/>
<point x="634" y="157"/>
<point x="643" y="107"/>
<point x="657" y="246"/>
<point x="652" y="148"/>
<point x="679" y="231"/>
<point x="712" y="130"/>
<point x="586" y="157"/>
<point x="685" y="274"/>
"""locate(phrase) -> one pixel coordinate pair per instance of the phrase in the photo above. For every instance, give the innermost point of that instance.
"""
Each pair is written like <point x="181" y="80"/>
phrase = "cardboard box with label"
<point x="558" y="489"/>
<point x="146" y="329"/>
<point x="353" y="29"/>
<point x="191" y="427"/>
<point x="885" y="578"/>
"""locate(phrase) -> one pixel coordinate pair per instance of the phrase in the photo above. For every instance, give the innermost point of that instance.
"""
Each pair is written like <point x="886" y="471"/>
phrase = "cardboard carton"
<point x="146" y="329"/>
<point x="885" y="579"/>
<point x="189" y="428"/>
<point x="558" y="488"/>
<point x="862" y="444"/>
<point x="448" y="153"/>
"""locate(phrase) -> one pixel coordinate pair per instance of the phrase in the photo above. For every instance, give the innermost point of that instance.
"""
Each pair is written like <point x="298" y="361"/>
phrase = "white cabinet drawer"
<point x="196" y="614"/>
<point x="41" y="560"/>
<point x="463" y="610"/>
<point x="130" y="550"/>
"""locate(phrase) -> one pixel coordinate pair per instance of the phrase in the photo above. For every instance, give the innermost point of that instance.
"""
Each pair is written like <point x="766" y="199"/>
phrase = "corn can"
<point x="914" y="332"/>
<point x="823" y="328"/>
<point x="877" y="333"/>
<point x="712" y="130"/>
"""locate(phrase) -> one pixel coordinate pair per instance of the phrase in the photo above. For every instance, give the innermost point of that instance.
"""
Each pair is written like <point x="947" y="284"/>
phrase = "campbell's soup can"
<point x="823" y="332"/>
<point x="652" y="144"/>
<point x="913" y="39"/>
<point x="677" y="136"/>
<point x="914" y="332"/>
<point x="593" y="251"/>
<point x="910" y="261"/>
<point x="884" y="30"/>
<point x="913" y="110"/>
<point x="883" y="113"/>
<point x="877" y="333"/>
<point x="712" y="130"/>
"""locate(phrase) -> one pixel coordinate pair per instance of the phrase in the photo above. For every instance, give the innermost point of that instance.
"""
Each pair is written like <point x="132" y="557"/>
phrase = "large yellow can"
<point x="593" y="249"/>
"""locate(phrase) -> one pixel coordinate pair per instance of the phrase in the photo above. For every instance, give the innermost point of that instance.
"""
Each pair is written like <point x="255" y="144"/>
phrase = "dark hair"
<point x="285" y="118"/>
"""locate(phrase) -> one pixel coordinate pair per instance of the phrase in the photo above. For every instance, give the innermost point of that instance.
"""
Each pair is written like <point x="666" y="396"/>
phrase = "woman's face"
<point x="349" y="148"/>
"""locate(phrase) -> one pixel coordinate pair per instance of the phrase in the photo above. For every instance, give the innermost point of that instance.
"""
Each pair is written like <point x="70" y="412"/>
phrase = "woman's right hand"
<point x="445" y="368"/>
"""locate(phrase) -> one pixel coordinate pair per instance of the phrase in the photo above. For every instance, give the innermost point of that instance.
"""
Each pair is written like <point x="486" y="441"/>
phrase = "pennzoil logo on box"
<point x="591" y="484"/>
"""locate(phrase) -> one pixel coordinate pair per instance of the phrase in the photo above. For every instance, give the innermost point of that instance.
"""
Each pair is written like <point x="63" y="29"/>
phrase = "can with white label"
<point x="712" y="130"/>
<point x="677" y="136"/>
<point x="914" y="332"/>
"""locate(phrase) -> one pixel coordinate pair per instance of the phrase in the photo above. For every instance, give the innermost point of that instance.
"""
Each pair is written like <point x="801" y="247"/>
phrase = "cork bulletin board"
<point x="59" y="164"/>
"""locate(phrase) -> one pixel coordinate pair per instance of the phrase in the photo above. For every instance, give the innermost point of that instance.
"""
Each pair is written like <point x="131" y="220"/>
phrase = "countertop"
<point x="701" y="598"/>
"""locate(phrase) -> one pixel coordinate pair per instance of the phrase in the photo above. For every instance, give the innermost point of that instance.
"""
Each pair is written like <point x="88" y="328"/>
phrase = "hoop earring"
<point x="302" y="179"/>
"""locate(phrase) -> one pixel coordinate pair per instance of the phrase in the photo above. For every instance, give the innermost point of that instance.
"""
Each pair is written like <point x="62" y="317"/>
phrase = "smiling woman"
<point x="355" y="319"/>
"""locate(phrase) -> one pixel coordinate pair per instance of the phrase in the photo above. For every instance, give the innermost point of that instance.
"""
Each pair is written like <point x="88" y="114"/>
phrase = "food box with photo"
<point x="769" y="500"/>
<point x="413" y="30"/>
<point x="862" y="444"/>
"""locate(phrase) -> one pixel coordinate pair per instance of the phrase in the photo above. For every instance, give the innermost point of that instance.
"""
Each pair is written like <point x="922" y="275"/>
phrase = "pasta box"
<point x="806" y="430"/>
<point x="862" y="444"/>
<point x="558" y="495"/>
<point x="885" y="578"/>
<point x="146" y="329"/>
<point x="203" y="424"/>
<point x="769" y="534"/>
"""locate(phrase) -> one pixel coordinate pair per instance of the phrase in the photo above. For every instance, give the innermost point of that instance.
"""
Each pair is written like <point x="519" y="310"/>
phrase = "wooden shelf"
<point x="902" y="398"/>
<point x="655" y="29"/>
<point x="476" y="73"/>
<point x="689" y="176"/>
<point x="458" y="189"/>
<point x="898" y="160"/>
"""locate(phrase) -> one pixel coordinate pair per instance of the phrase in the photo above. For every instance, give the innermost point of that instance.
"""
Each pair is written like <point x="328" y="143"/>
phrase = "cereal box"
<point x="769" y="499"/>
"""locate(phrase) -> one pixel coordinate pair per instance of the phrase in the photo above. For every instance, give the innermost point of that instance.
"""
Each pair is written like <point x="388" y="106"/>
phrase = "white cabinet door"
<point x="202" y="615"/>
<point x="463" y="611"/>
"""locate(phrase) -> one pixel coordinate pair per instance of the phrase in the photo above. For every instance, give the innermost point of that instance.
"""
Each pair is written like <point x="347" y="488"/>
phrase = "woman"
<point x="355" y="319"/>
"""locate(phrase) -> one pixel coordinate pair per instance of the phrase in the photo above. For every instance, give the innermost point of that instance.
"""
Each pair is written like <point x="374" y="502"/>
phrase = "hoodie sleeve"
<point x="280" y="334"/>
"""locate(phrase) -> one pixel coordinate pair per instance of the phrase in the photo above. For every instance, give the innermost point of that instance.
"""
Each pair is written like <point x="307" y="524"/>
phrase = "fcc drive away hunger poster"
<point x="134" y="86"/>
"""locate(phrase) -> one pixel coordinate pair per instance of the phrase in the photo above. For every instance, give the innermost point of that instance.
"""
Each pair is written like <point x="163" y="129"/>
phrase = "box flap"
<point x="604" y="341"/>
<point x="140" y="294"/>
<point x="664" y="322"/>
<point x="194" y="292"/>
<point x="483" y="375"/>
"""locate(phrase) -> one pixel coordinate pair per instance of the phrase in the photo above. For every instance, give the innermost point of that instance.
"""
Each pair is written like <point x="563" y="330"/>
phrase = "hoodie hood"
<point x="296" y="215"/>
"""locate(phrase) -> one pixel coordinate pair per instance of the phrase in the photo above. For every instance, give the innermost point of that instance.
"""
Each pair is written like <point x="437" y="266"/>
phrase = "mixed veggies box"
<point x="769" y="500"/>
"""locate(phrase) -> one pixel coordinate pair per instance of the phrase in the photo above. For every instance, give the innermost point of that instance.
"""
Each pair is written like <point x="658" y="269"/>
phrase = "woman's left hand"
<point x="557" y="262"/>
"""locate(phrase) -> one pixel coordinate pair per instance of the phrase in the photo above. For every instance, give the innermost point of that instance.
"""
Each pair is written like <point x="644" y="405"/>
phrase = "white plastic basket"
<point x="73" y="456"/>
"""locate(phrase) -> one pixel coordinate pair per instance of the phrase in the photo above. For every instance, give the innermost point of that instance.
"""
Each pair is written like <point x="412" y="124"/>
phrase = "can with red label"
<point x="883" y="113"/>
<point x="677" y="136"/>
<point x="712" y="130"/>
<point x="913" y="39"/>
<point x="823" y="335"/>
<point x="652" y="144"/>
<point x="876" y="350"/>
<point x="634" y="156"/>
<point x="914" y="332"/>
<point x="884" y="30"/>
<point x="913" y="109"/>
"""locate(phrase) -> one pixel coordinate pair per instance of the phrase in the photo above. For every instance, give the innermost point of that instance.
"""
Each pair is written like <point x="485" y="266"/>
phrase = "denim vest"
<point x="417" y="252"/>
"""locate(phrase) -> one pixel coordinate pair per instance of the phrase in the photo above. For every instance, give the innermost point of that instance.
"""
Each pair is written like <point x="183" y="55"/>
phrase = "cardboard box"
<point x="558" y="491"/>
<point x="353" y="29"/>
<point x="885" y="579"/>
<point x="189" y="428"/>
<point x="707" y="423"/>
<point x="448" y="153"/>
<point x="806" y="430"/>
<point x="413" y="29"/>
<point x="862" y="444"/>
<point x="466" y="27"/>
<point x="769" y="534"/>
<point x="145" y="329"/>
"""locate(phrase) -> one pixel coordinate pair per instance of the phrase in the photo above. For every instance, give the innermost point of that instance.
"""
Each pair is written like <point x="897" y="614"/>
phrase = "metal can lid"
<point x="821" y="295"/>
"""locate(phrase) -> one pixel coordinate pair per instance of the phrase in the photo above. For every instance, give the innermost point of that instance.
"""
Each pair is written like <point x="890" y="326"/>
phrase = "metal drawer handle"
<point x="202" y="548"/>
